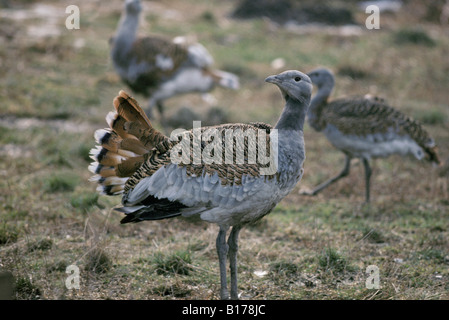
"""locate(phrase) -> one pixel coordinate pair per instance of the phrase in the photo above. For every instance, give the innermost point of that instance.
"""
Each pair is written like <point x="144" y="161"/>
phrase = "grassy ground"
<point x="57" y="89"/>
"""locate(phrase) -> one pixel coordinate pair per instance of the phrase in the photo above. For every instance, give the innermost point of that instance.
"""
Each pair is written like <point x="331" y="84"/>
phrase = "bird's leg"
<point x="233" y="249"/>
<point x="222" y="251"/>
<point x="368" y="172"/>
<point x="327" y="183"/>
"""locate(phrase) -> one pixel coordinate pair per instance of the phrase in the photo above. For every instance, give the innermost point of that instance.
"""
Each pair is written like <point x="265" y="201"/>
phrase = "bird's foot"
<point x="224" y="295"/>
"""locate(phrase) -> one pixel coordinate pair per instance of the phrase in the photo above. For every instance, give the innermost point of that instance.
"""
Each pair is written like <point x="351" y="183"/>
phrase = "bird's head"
<point x="321" y="77"/>
<point x="293" y="84"/>
<point x="133" y="6"/>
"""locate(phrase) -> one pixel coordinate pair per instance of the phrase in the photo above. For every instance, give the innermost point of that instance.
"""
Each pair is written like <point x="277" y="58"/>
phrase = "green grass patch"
<point x="25" y="289"/>
<point x="59" y="265"/>
<point x="175" y="263"/>
<point x="12" y="214"/>
<point x="85" y="201"/>
<point x="9" y="233"/>
<point x="284" y="272"/>
<point x="373" y="235"/>
<point x="40" y="245"/>
<point x="430" y="117"/>
<point x="98" y="261"/>
<point x="331" y="260"/>
<point x="416" y="36"/>
<point x="435" y="255"/>
<point x="61" y="182"/>
<point x="177" y="290"/>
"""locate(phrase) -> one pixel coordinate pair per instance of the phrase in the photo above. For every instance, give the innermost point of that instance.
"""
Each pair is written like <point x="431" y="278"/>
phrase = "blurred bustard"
<point x="135" y="160"/>
<point x="161" y="68"/>
<point x="365" y="128"/>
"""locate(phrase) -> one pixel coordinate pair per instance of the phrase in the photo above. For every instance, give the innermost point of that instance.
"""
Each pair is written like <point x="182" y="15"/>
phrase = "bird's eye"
<point x="297" y="79"/>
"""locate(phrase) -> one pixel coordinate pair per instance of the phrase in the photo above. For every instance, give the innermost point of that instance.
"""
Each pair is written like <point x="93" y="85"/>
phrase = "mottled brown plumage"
<point x="229" y="175"/>
<point x="146" y="50"/>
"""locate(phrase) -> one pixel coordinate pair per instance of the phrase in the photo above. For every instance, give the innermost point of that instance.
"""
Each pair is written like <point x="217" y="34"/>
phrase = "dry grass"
<point x="56" y="91"/>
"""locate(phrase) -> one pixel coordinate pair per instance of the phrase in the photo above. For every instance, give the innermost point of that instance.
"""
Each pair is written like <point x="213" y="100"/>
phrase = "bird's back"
<point x="150" y="61"/>
<point x="196" y="164"/>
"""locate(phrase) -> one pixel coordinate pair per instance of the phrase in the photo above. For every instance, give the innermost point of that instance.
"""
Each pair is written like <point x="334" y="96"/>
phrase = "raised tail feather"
<point x="123" y="147"/>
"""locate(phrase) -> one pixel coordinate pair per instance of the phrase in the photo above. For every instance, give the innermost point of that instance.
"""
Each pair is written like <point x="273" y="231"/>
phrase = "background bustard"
<point x="161" y="68"/>
<point x="365" y="128"/>
<point x="134" y="159"/>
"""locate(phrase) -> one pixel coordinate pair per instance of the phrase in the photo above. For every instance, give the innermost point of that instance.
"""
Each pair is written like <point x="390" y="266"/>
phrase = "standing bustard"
<point x="136" y="160"/>
<point x="160" y="68"/>
<point x="365" y="128"/>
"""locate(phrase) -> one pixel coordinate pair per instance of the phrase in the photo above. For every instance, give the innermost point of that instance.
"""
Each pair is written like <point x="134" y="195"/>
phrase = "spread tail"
<point x="123" y="147"/>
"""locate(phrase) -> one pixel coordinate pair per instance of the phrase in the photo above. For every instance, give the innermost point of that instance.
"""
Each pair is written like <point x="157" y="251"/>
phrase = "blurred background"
<point x="57" y="85"/>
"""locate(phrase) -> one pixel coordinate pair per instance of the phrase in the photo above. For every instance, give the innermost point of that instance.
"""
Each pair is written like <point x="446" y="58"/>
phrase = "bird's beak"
<point x="273" y="79"/>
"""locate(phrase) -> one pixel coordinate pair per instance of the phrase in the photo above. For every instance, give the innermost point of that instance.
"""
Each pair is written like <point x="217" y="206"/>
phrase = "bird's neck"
<point x="126" y="33"/>
<point x="317" y="104"/>
<point x="293" y="115"/>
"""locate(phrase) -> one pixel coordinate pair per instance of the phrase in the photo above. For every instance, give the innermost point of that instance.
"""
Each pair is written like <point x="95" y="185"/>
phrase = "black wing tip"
<point x="130" y="218"/>
<point x="152" y="209"/>
<point x="137" y="217"/>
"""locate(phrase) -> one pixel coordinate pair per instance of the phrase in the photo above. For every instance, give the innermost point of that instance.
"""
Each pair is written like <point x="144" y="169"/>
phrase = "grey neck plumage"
<point x="294" y="114"/>
<point x="317" y="104"/>
<point x="125" y="36"/>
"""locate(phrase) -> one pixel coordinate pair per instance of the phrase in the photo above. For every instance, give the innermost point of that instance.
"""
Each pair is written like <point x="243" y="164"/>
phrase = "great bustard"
<point x="161" y="68"/>
<point x="136" y="160"/>
<point x="365" y="128"/>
